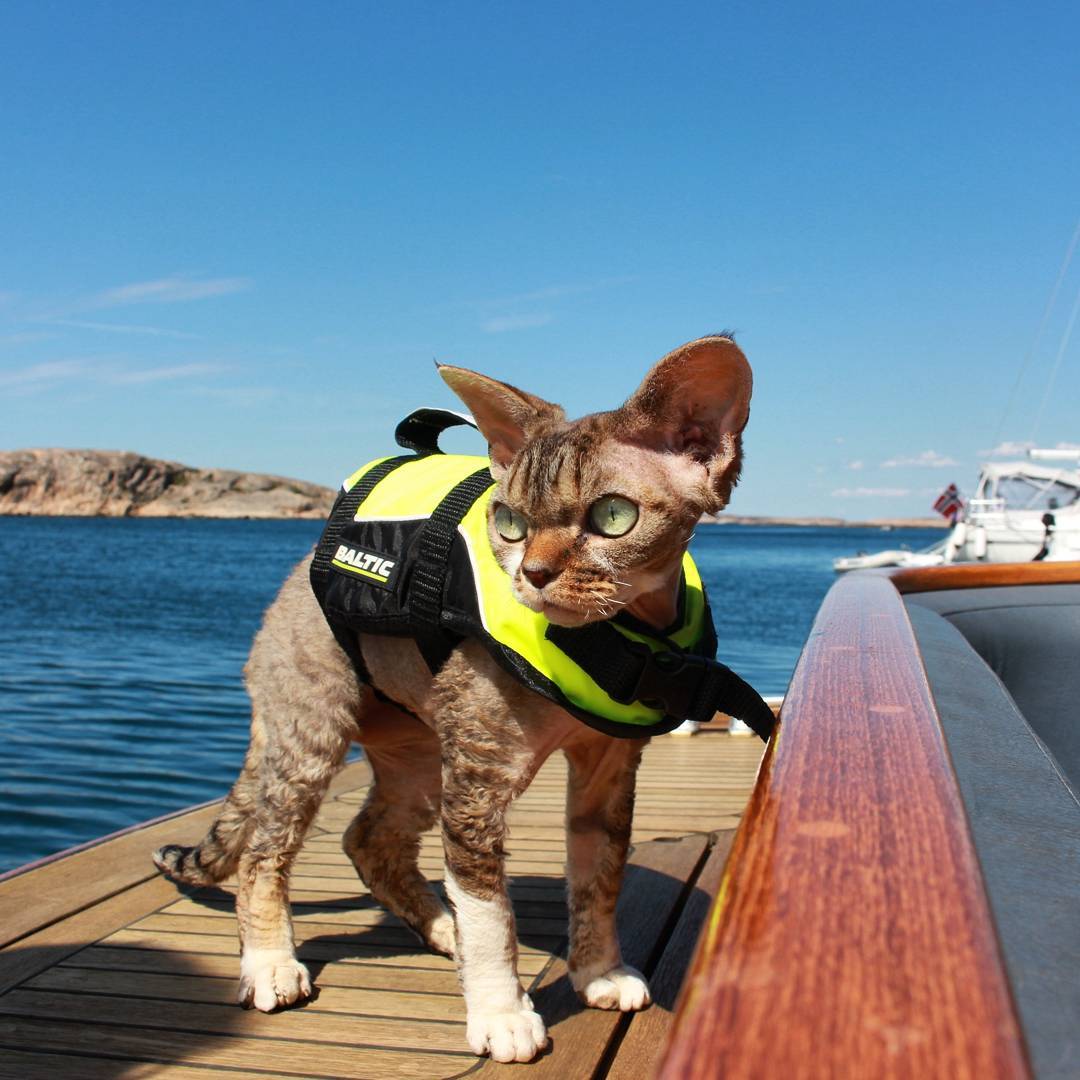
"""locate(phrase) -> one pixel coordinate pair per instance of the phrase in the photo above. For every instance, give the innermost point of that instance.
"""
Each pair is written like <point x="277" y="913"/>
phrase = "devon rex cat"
<point x="588" y="517"/>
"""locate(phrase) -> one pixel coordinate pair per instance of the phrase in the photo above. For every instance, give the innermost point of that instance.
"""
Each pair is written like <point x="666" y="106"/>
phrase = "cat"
<point x="476" y="737"/>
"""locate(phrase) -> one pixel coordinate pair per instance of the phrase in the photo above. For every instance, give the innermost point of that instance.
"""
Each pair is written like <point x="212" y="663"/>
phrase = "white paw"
<point x="621" y="988"/>
<point x="272" y="978"/>
<point x="515" y="1035"/>
<point x="440" y="934"/>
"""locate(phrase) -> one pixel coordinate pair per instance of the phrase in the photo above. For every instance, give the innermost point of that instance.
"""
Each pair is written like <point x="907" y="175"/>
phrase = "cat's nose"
<point x="538" y="574"/>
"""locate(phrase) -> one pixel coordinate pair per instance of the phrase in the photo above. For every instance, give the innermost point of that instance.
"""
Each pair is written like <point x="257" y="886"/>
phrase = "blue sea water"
<point x="122" y="643"/>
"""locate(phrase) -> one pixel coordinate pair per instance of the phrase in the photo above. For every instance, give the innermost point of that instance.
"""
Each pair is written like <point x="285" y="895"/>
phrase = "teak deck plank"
<point x="27" y="1065"/>
<point x="36" y="952"/>
<point x="63" y="884"/>
<point x="138" y="978"/>
<point x="56" y="890"/>
<point x="199" y="965"/>
<point x="354" y="918"/>
<point x="304" y="1024"/>
<point x="340" y="1000"/>
<point x="345" y="951"/>
<point x="346" y="1062"/>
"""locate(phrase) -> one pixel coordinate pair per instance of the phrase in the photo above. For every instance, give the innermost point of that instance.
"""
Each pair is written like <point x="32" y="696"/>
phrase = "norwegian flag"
<point x="949" y="504"/>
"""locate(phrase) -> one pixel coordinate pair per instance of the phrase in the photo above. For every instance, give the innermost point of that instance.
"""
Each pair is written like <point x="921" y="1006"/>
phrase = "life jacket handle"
<point x="420" y="430"/>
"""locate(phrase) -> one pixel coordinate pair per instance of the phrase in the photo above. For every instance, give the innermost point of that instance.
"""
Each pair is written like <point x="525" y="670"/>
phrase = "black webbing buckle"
<point x="668" y="681"/>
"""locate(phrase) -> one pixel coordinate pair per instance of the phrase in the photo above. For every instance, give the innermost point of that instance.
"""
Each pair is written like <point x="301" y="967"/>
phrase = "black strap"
<point x="679" y="683"/>
<point x="420" y="430"/>
<point x="432" y="562"/>
<point x="343" y="512"/>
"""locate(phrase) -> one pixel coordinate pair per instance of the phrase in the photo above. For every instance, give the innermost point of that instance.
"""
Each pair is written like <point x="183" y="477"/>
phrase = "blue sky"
<point x="237" y="234"/>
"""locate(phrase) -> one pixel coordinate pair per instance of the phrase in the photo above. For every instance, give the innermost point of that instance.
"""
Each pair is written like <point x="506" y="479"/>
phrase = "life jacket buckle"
<point x="668" y="680"/>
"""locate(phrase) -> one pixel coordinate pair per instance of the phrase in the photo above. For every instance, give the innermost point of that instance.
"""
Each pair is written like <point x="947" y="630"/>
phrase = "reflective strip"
<point x="357" y="570"/>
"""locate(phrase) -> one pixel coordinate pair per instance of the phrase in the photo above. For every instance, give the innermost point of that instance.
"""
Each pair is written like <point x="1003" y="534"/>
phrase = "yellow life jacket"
<point x="406" y="553"/>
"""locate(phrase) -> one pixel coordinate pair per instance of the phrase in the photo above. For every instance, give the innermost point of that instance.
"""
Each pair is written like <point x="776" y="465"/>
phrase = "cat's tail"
<point x="215" y="857"/>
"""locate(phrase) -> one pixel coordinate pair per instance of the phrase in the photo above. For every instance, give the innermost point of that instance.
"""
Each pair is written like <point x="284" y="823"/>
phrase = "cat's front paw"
<point x="181" y="864"/>
<point x="512" y="1035"/>
<point x="621" y="988"/>
<point x="271" y="979"/>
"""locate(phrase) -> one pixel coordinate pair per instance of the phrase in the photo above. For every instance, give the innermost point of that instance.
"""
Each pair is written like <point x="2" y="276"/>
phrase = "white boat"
<point x="1021" y="508"/>
<point x="1021" y="511"/>
<point x="896" y="557"/>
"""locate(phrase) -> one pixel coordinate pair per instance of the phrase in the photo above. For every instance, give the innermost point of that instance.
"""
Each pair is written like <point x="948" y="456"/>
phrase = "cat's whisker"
<point x="617" y="582"/>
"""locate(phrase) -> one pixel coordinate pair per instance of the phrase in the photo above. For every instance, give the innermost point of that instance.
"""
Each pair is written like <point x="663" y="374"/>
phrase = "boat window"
<point x="1026" y="493"/>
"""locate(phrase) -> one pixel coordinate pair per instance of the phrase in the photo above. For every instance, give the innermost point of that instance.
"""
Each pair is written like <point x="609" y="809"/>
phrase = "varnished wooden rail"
<point x="984" y="575"/>
<point x="851" y="934"/>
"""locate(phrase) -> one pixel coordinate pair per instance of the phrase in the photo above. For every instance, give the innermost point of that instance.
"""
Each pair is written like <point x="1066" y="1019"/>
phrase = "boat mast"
<point x="1051" y="303"/>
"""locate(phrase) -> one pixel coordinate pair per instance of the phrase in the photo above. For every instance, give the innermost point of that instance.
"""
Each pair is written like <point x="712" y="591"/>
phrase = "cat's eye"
<point x="509" y="524"/>
<point x="613" y="515"/>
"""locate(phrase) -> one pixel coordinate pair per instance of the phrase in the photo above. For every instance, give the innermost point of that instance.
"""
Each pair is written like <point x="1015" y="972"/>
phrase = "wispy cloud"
<point x="554" y="292"/>
<point x="855" y="465"/>
<point x="1008" y="449"/>
<point x="122" y="328"/>
<point x="26" y="337"/>
<point x="43" y="374"/>
<point x="504" y="323"/>
<point x="1020" y="449"/>
<point x="517" y="311"/>
<point x="168" y="290"/>
<point x="160" y="374"/>
<point x="928" y="459"/>
<point x="240" y="396"/>
<point x="48" y="374"/>
<point x="870" y="493"/>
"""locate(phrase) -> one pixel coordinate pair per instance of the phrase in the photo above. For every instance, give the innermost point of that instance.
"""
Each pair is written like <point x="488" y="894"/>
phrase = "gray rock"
<point x="111" y="483"/>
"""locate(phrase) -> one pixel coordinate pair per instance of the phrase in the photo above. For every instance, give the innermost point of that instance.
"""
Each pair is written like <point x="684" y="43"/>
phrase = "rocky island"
<point x="113" y="483"/>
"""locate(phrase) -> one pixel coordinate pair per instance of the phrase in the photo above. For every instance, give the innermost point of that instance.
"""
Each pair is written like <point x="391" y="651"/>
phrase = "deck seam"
<point x="231" y="1005"/>
<point x="203" y="1032"/>
<point x="119" y="1058"/>
<point x="103" y="943"/>
<point x="226" y="979"/>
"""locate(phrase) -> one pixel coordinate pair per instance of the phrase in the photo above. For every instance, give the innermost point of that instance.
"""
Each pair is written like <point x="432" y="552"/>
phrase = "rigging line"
<point x="1057" y="361"/>
<point x="1050" y="303"/>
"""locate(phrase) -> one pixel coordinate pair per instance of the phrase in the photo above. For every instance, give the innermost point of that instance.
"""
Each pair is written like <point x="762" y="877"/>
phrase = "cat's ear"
<point x="695" y="402"/>
<point x="505" y="415"/>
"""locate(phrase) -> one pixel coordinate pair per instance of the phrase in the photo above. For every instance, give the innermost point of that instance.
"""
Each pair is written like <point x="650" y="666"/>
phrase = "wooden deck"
<point x="107" y="970"/>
